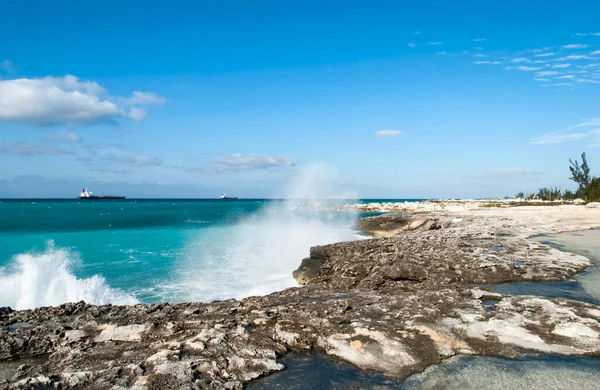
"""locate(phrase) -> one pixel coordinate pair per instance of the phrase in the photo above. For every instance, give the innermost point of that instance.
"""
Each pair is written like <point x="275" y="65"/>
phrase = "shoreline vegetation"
<point x="396" y="305"/>
<point x="588" y="187"/>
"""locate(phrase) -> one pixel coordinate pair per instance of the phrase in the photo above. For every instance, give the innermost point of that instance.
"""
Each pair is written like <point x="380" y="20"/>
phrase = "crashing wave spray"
<point x="45" y="279"/>
<point x="258" y="255"/>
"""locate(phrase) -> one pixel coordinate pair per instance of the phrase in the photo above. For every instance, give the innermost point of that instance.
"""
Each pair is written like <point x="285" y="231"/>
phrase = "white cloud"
<point x="413" y="45"/>
<point x="7" y="66"/>
<point x="562" y="85"/>
<point x="520" y="59"/>
<point x="590" y="66"/>
<point x="541" y="79"/>
<point x="558" y="138"/>
<point x="145" y="99"/>
<point x="588" y="81"/>
<point x="388" y="133"/>
<point x="571" y="133"/>
<point x="66" y="100"/>
<point x="417" y="32"/>
<point x="139" y="161"/>
<point x="29" y="149"/>
<point x="538" y="50"/>
<point x="479" y="55"/>
<point x="567" y="76"/>
<point x="109" y="170"/>
<point x="575" y="57"/>
<point x="436" y="43"/>
<point x="243" y="163"/>
<point x="487" y="62"/>
<point x="524" y="68"/>
<point x="441" y="53"/>
<point x="595" y="53"/>
<point x="63" y="136"/>
<point x="479" y="39"/>
<point x="561" y="65"/>
<point x="547" y="73"/>
<point x="544" y="55"/>
<point x="575" y="46"/>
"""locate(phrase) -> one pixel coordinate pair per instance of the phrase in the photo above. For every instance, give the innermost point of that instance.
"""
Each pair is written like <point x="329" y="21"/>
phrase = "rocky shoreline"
<point x="394" y="304"/>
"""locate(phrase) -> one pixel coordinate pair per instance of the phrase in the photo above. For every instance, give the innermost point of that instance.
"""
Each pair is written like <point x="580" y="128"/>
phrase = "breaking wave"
<point x="46" y="279"/>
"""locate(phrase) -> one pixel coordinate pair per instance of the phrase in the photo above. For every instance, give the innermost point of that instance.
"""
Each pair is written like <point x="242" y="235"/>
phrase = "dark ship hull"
<point x="101" y="197"/>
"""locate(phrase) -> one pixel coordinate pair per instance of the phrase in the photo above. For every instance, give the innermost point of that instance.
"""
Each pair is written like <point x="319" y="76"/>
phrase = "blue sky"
<point x="189" y="99"/>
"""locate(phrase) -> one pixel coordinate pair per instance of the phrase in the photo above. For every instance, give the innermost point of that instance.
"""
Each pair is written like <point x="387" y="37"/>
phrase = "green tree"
<point x="549" y="193"/>
<point x="592" y="192"/>
<point x="580" y="174"/>
<point x="520" y="195"/>
<point x="569" y="195"/>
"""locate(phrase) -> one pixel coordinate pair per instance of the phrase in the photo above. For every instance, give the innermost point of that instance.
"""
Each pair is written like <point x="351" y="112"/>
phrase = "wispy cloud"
<point x="62" y="136"/>
<point x="507" y="173"/>
<point x="412" y="45"/>
<point x="109" y="170"/>
<point x="575" y="57"/>
<point x="417" y="32"/>
<point x="547" y="73"/>
<point x="587" y="129"/>
<point x="544" y="63"/>
<point x="479" y="39"/>
<point x="30" y="149"/>
<point x="436" y="43"/>
<point x="388" y="133"/>
<point x="575" y="46"/>
<point x="138" y="161"/>
<point x="597" y="34"/>
<point x="524" y="68"/>
<point x="235" y="163"/>
<point x="562" y="84"/>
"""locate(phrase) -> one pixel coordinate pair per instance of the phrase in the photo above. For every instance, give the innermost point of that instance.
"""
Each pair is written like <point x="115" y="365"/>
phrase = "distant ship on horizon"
<point x="87" y="195"/>
<point x="224" y="196"/>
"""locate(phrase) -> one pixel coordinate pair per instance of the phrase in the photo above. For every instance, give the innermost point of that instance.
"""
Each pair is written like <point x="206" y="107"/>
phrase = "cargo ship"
<point x="87" y="195"/>
<point x="224" y="196"/>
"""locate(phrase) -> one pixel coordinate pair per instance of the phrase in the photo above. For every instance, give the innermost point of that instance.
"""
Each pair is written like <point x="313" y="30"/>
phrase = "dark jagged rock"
<point x="434" y="258"/>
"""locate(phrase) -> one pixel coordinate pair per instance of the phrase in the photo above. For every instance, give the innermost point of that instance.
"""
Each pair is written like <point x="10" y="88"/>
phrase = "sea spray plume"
<point x="258" y="254"/>
<point x="45" y="279"/>
<point x="317" y="181"/>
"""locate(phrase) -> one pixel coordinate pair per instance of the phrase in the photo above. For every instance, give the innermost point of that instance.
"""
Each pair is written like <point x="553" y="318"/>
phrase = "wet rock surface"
<point x="393" y="305"/>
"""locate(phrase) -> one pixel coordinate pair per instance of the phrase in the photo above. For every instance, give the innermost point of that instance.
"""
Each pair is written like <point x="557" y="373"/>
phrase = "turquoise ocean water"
<point x="121" y="252"/>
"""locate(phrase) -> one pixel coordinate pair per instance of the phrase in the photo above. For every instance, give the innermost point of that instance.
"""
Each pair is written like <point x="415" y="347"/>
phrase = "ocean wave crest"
<point x="46" y="279"/>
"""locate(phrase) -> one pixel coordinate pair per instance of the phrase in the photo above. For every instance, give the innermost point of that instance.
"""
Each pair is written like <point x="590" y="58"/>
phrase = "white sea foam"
<point x="258" y="254"/>
<point x="46" y="279"/>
